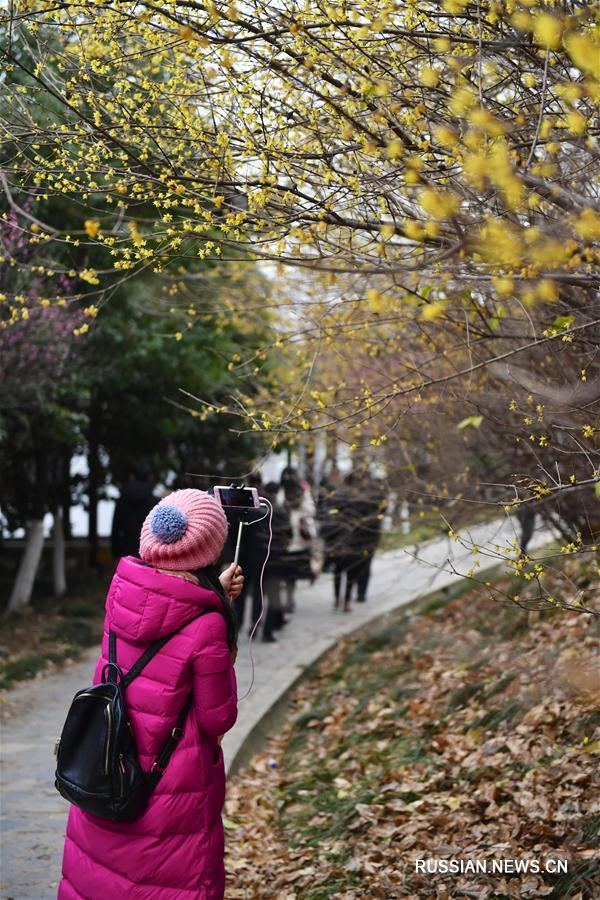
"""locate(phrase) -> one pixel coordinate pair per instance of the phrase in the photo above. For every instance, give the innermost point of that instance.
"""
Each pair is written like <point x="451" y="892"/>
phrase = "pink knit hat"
<point x="186" y="530"/>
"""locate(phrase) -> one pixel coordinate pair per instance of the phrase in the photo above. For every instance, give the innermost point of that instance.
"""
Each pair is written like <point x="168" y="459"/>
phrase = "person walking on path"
<point x="133" y="505"/>
<point x="351" y="529"/>
<point x="369" y="510"/>
<point x="337" y="527"/>
<point x="526" y="517"/>
<point x="278" y="565"/>
<point x="296" y="498"/>
<point x="175" y="850"/>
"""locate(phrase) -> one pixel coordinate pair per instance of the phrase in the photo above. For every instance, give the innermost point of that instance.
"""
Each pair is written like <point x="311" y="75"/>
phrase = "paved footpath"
<point x="33" y="814"/>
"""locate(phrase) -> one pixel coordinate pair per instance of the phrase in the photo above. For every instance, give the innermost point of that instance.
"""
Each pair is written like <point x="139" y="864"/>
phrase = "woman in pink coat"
<point x="175" y="850"/>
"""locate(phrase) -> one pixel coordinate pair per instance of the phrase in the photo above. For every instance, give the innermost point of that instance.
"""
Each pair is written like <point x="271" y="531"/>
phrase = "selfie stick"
<point x="238" y="542"/>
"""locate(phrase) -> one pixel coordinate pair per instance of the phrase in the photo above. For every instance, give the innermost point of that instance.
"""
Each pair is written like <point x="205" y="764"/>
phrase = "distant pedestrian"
<point x="526" y="515"/>
<point x="278" y="564"/>
<point x="328" y="518"/>
<point x="336" y="530"/>
<point x="351" y="530"/>
<point x="327" y="488"/>
<point x="133" y="505"/>
<point x="296" y="497"/>
<point x="176" y="848"/>
<point x="369" y="510"/>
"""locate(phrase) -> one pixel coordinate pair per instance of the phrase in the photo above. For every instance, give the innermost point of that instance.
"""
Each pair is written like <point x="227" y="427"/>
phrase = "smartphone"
<point x="237" y="497"/>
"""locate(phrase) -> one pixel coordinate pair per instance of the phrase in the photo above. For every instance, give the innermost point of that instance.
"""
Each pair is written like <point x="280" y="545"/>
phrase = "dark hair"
<point x="208" y="578"/>
<point x="293" y="491"/>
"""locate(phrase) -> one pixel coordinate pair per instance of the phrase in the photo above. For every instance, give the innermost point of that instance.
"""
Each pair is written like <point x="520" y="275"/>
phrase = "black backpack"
<point x="97" y="763"/>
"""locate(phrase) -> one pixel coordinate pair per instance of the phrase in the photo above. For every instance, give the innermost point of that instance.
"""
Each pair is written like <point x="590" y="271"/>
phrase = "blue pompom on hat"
<point x="168" y="523"/>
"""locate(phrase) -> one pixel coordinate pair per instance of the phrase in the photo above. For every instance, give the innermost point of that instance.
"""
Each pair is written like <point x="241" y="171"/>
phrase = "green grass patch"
<point x="74" y="632"/>
<point x="463" y="694"/>
<point x="22" y="668"/>
<point x="582" y="882"/>
<point x="495" y="717"/>
<point x="419" y="534"/>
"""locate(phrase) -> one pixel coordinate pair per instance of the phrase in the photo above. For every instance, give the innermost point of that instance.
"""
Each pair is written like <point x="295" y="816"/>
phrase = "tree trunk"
<point x="93" y="487"/>
<point x="319" y="461"/>
<point x="301" y="451"/>
<point x="23" y="586"/>
<point x="58" y="554"/>
<point x="65" y="500"/>
<point x="388" y="519"/>
<point x="404" y="518"/>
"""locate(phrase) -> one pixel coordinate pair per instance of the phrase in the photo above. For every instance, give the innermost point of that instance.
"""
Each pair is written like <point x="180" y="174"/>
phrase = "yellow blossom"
<point x="91" y="227"/>
<point x="446" y="136"/>
<point x="584" y="53"/>
<point x="376" y="300"/>
<point x="475" y="167"/>
<point x="504" y="286"/>
<point x="89" y="275"/>
<point x="433" y="310"/>
<point x="547" y="290"/>
<point x="394" y="149"/>
<point x="462" y="100"/>
<point x="574" y="122"/>
<point x="413" y="230"/>
<point x="387" y="231"/>
<point x="499" y="243"/>
<point x="547" y="30"/>
<point x="587" y="224"/>
<point x="438" y="204"/>
<point x="429" y="77"/>
<point x="483" y="119"/>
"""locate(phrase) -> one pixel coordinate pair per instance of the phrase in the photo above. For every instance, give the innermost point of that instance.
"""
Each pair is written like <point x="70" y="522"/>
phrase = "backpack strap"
<point x="162" y="760"/>
<point x="112" y="647"/>
<point x="150" y="651"/>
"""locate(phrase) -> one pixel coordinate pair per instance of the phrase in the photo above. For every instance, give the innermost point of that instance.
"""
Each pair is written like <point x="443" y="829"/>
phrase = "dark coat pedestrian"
<point x="526" y="516"/>
<point x="252" y="554"/>
<point x="135" y="502"/>
<point x="278" y="564"/>
<point x="351" y="530"/>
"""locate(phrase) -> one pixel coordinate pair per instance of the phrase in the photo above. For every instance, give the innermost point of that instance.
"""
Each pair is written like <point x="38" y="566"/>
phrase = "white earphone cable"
<point x="262" y="595"/>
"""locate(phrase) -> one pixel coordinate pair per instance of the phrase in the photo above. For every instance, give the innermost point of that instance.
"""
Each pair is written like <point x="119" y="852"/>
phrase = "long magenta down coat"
<point x="175" y="850"/>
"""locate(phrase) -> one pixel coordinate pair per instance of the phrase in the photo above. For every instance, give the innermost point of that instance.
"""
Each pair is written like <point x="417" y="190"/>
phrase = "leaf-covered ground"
<point x="50" y="634"/>
<point x="461" y="729"/>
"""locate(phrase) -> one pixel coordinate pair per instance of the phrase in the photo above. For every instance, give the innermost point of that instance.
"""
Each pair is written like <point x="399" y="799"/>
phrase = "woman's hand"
<point x="232" y="581"/>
